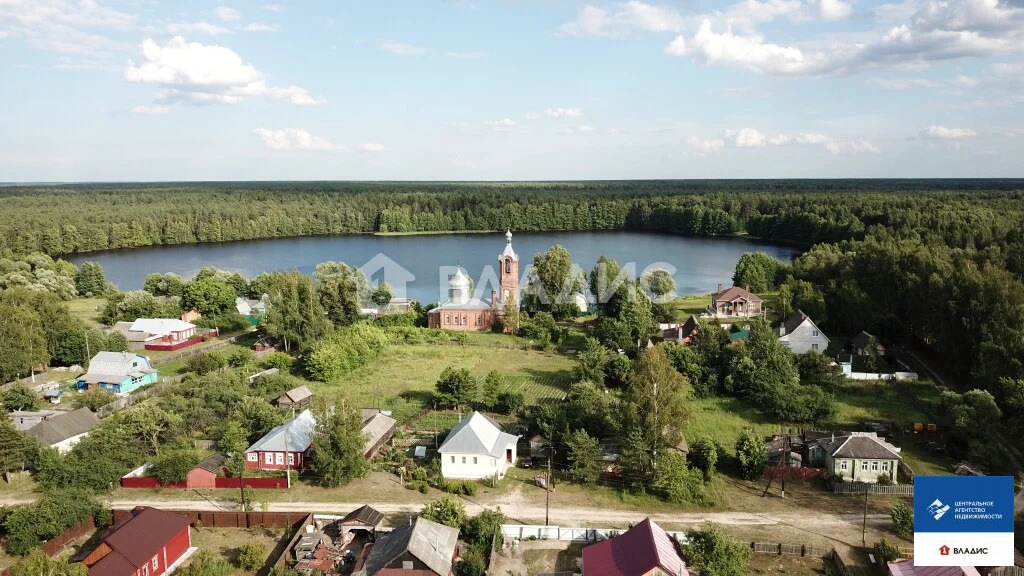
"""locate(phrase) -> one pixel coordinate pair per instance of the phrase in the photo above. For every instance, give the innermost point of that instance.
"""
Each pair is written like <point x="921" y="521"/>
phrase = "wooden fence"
<point x="235" y="483"/>
<point x="782" y="549"/>
<point x="861" y="488"/>
<point x="219" y="519"/>
<point x="790" y="472"/>
<point x="126" y="401"/>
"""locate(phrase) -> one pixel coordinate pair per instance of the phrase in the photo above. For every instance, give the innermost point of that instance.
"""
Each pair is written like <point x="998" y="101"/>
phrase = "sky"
<point x="143" y="90"/>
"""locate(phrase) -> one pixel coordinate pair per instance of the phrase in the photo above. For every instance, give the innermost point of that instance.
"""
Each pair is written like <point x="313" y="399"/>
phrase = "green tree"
<point x="91" y="281"/>
<point x="752" y="455"/>
<point x="234" y="440"/>
<point x="209" y="296"/>
<point x="871" y="359"/>
<point x="205" y="362"/>
<point x="703" y="455"/>
<point x="484" y="529"/>
<point x="494" y="385"/>
<point x="592" y="361"/>
<point x="584" y="455"/>
<point x="173" y="466"/>
<point x="636" y="314"/>
<point x="557" y="284"/>
<point x="510" y="315"/>
<point x="295" y="316"/>
<point x="902" y="519"/>
<point x="256" y="416"/>
<point x="456" y="387"/>
<point x="658" y="283"/>
<point x="19" y="397"/>
<point x="338" y="444"/>
<point x="785" y="301"/>
<point x="22" y="340"/>
<point x="758" y="270"/>
<point x="677" y="483"/>
<point x="151" y="424"/>
<point x="342" y="290"/>
<point x="713" y="553"/>
<point x="38" y="563"/>
<point x="383" y="294"/>
<point x="16" y="447"/>
<point x="608" y="283"/>
<point x="655" y="408"/>
<point x="447" y="511"/>
<point x="471" y="563"/>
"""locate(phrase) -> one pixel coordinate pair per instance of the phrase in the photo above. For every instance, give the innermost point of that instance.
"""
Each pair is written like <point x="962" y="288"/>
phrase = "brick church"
<point x="463" y="312"/>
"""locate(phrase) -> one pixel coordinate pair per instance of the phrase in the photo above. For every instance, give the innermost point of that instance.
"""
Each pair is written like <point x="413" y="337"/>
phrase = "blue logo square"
<point x="963" y="504"/>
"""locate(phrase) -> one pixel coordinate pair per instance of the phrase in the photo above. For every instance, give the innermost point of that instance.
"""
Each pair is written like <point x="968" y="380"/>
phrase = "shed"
<point x="298" y="397"/>
<point x="204" y="475"/>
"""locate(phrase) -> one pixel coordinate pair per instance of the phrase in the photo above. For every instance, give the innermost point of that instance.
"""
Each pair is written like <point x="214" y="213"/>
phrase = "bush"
<point x="424" y="487"/>
<point x="471" y="564"/>
<point x="94" y="399"/>
<point x="251" y="556"/>
<point x="279" y="360"/>
<point x="205" y="363"/>
<point x="902" y="519"/>
<point x="447" y="511"/>
<point x="463" y="487"/>
<point x="27" y="527"/>
<point x="240" y="357"/>
<point x="752" y="455"/>
<point x="704" y="455"/>
<point x="344" y="351"/>
<point x="227" y="323"/>
<point x="886" y="552"/>
<point x="204" y="564"/>
<point x="510" y="402"/>
<point x="171" y="467"/>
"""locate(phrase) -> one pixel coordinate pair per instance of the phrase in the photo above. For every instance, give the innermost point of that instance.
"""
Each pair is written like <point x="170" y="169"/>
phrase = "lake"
<point x="417" y="262"/>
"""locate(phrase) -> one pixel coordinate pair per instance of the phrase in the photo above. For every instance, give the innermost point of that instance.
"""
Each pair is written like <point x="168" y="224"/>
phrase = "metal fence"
<point x="860" y="488"/>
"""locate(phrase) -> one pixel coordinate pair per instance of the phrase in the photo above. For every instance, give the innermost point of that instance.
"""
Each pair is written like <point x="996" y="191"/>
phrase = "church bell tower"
<point x="508" y="272"/>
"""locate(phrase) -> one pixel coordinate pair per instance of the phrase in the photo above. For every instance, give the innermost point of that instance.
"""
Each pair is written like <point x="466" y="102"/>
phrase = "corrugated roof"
<point x="471" y="304"/>
<point x="160" y="326"/>
<point x="431" y="543"/>
<point x="477" y="434"/>
<point x="376" y="428"/>
<point x="68" y="425"/>
<point x="214" y="462"/>
<point x="293" y="435"/>
<point x="907" y="568"/>
<point x="137" y="540"/>
<point x="862" y="446"/>
<point x="364" y="515"/>
<point x="637" y="551"/>
<point x="112" y="367"/>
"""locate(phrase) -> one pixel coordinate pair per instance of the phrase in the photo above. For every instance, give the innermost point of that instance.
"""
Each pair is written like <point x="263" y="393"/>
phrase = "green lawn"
<point x="697" y="303"/>
<point x="88" y="309"/>
<point x="725" y="419"/>
<point x="403" y="377"/>
<point x="878" y="401"/>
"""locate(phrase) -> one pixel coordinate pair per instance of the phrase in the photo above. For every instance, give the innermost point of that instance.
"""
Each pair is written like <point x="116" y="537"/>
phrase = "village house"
<point x="117" y="372"/>
<point x="65" y="430"/>
<point x="284" y="447"/>
<point x="298" y="397"/>
<point x="859" y="344"/>
<point x="908" y="568"/>
<point x="378" y="429"/>
<point x="477" y="448"/>
<point x="856" y="456"/>
<point x="23" y="420"/>
<point x="683" y="333"/>
<point x="801" y="335"/>
<point x="158" y="333"/>
<point x="419" y="548"/>
<point x="462" y="312"/>
<point x="147" y="542"/>
<point x="643" y="550"/>
<point x="735" y="301"/>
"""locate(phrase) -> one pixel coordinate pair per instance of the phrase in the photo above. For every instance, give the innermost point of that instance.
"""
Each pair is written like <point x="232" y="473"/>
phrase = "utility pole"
<point x="785" y="463"/>
<point x="287" y="454"/>
<point x="547" y="495"/>
<point x="864" y="527"/>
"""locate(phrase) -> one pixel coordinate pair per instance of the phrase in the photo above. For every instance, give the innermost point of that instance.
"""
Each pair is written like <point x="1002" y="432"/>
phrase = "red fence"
<point x="788" y="472"/>
<point x="176" y="345"/>
<point x="234" y="519"/>
<point x="258" y="483"/>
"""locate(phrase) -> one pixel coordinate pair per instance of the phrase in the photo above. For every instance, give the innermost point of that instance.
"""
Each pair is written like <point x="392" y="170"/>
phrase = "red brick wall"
<point x="486" y="320"/>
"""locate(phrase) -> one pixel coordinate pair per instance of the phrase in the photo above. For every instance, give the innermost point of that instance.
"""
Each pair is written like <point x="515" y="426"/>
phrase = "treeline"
<point x="85" y="218"/>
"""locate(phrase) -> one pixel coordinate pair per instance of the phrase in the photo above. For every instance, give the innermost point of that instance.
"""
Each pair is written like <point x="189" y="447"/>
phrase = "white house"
<point x="857" y="456"/>
<point x="801" y="335"/>
<point x="64" y="431"/>
<point x="477" y="448"/>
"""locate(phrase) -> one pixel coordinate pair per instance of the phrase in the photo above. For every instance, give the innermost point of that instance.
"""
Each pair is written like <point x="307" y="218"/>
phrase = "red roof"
<point x="735" y="293"/>
<point x="907" y="568"/>
<point x="637" y="551"/>
<point x="136" y="539"/>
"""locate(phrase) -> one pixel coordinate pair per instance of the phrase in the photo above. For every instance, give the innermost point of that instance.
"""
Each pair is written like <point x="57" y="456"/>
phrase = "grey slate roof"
<point x="477" y="434"/>
<point x="376" y="429"/>
<point x="214" y="462"/>
<point x="431" y="543"/>
<point x="113" y="367"/>
<point x="859" y="445"/>
<point x="296" y="395"/>
<point x="67" y="425"/>
<point x="292" y="436"/>
<point x="794" y="321"/>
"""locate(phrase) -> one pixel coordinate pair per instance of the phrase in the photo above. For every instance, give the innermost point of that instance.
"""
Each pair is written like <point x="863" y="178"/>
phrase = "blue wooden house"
<point x="117" y="372"/>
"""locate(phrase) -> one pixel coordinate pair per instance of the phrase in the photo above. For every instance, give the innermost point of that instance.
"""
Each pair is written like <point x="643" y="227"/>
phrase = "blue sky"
<point x="510" y="89"/>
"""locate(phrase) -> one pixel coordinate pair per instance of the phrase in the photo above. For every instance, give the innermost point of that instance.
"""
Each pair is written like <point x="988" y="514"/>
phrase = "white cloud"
<point x="564" y="113"/>
<point x="503" y="123"/>
<point x="864" y="146"/>
<point x="962" y="80"/>
<point x="566" y="131"/>
<point x="830" y="10"/>
<point x="155" y="109"/>
<point x="903" y="83"/>
<point x="401" y="48"/>
<point x="76" y="29"/>
<point x="747" y="138"/>
<point x="195" y="28"/>
<point x="372" y="147"/>
<point x="293" y="139"/>
<point x="260" y="27"/>
<point x="627" y="18"/>
<point x="945" y="133"/>
<point x="273" y="7"/>
<point x="466" y="55"/>
<point x="585" y="128"/>
<point x="227" y="13"/>
<point x="206" y="74"/>
<point x="705" y="146"/>
<point x="750" y="52"/>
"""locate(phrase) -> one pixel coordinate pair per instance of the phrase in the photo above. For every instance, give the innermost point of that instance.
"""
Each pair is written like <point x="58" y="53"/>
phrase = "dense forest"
<point x="935" y="264"/>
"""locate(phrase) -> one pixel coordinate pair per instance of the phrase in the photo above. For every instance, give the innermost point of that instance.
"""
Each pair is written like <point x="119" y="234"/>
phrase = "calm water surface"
<point x="417" y="261"/>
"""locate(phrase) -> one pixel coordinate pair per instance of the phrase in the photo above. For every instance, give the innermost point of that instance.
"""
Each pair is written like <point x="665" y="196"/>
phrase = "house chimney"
<point x="679" y="333"/>
<point x="494" y="298"/>
<point x="719" y="287"/>
<point x="833" y="436"/>
<point x="748" y="288"/>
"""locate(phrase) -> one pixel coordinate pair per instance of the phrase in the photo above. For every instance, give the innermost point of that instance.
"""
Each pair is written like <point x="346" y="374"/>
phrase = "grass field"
<point x="698" y="303"/>
<point x="224" y="542"/>
<point x="87" y="309"/>
<point x="402" y="379"/>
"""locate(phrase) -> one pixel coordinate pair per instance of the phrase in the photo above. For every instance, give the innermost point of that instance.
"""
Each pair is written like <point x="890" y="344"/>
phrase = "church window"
<point x="456" y="319"/>
<point x="447" y="319"/>
<point x="464" y="323"/>
<point x="508" y="265"/>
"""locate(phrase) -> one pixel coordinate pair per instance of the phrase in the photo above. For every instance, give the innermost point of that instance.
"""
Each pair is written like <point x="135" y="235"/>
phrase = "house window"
<point x="291" y="459"/>
<point x="268" y="458"/>
<point x="253" y="457"/>
<point x="885" y="466"/>
<point x="863" y="465"/>
<point x="874" y="465"/>
<point x="814" y="333"/>
<point x="494" y="463"/>
<point x="145" y="570"/>
<point x="814" y="346"/>
<point x="463" y="459"/>
<point x="474" y="459"/>
<point x="279" y="457"/>
<point x="844" y="465"/>
<point x="453" y="459"/>
<point x="156" y="562"/>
